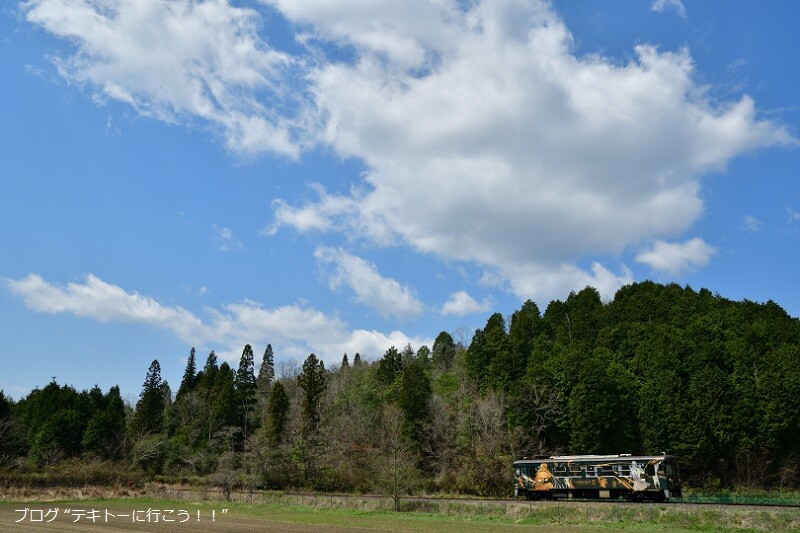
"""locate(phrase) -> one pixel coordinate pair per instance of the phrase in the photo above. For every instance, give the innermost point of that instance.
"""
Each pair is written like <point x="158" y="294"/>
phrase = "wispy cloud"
<point x="223" y="239"/>
<point x="751" y="224"/>
<point x="677" y="258"/>
<point x="295" y="330"/>
<point x="179" y="62"/>
<point x="660" y="6"/>
<point x="383" y="294"/>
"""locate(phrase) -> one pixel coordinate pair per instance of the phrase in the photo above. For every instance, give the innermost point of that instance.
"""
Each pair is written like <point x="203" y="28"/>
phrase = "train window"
<point x="591" y="471"/>
<point x="560" y="469"/>
<point x="624" y="470"/>
<point x="606" y="470"/>
<point x="575" y="469"/>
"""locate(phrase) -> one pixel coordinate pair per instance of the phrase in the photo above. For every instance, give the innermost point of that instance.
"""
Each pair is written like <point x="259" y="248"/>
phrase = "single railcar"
<point x="635" y="478"/>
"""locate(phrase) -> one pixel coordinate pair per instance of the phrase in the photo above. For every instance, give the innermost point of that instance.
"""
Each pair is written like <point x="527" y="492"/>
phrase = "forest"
<point x="660" y="368"/>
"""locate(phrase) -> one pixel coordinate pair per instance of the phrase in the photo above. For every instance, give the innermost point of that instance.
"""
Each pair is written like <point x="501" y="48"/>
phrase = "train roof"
<point x="623" y="457"/>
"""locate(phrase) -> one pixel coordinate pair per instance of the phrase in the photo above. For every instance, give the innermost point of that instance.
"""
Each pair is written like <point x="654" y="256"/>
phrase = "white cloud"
<point x="660" y="6"/>
<point x="677" y="258"/>
<point x="460" y="303"/>
<point x="549" y="283"/>
<point x="386" y="295"/>
<point x="751" y="224"/>
<point x="178" y="62"/>
<point x="485" y="138"/>
<point x="504" y="148"/>
<point x="294" y="330"/>
<point x="104" y="302"/>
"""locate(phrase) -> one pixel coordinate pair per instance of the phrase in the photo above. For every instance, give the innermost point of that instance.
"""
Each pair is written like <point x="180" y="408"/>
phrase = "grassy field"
<point x="324" y="514"/>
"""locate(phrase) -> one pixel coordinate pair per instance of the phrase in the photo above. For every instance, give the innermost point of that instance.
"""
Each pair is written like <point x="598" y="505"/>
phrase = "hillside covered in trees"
<point x="658" y="369"/>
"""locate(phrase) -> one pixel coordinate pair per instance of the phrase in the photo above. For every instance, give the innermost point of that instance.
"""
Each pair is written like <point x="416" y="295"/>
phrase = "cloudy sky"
<point x="340" y="176"/>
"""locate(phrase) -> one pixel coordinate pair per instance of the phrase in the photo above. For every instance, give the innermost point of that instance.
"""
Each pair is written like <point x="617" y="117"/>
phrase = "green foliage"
<point x="660" y="368"/>
<point x="189" y="376"/>
<point x="390" y="366"/>
<point x="266" y="373"/>
<point x="222" y="400"/>
<point x="413" y="397"/>
<point x="312" y="382"/>
<point x="150" y="407"/>
<point x="245" y="389"/>
<point x="277" y="414"/>
<point x="105" y="432"/>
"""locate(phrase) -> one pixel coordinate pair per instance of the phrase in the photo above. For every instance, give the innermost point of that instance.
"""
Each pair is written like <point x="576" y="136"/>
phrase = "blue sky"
<point x="339" y="177"/>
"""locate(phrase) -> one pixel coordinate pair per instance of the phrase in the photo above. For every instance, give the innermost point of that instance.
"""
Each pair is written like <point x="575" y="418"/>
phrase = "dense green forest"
<point x="661" y="368"/>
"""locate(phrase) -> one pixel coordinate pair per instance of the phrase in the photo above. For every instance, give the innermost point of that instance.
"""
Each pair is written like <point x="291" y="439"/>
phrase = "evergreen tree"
<point x="312" y="382"/>
<point x="444" y="351"/>
<point x="222" y="400"/>
<point x="487" y="352"/>
<point x="210" y="368"/>
<point x="357" y="360"/>
<point x="150" y="407"/>
<point x="413" y="398"/>
<point x="203" y="423"/>
<point x="345" y="361"/>
<point x="189" y="376"/>
<point x="390" y="366"/>
<point x="245" y="387"/>
<point x="424" y="355"/>
<point x="104" y="436"/>
<point x="277" y="414"/>
<point x="266" y="374"/>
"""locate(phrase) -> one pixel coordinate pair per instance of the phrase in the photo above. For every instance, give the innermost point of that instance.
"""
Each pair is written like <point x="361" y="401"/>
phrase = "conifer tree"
<point x="266" y="374"/>
<point x="444" y="351"/>
<point x="357" y="360"/>
<point x="189" y="376"/>
<point x="245" y="390"/>
<point x="277" y="413"/>
<point x="312" y="382"/>
<point x="222" y="400"/>
<point x="150" y="407"/>
<point x="345" y="361"/>
<point x="390" y="365"/>
<point x="413" y="398"/>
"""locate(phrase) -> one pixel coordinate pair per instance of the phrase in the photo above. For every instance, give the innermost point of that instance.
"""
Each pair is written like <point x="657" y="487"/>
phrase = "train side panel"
<point x="647" y="478"/>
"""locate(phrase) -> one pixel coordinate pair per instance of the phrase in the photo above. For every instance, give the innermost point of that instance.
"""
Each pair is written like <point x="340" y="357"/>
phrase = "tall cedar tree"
<point x="390" y="366"/>
<point x="189" y="376"/>
<point x="277" y="413"/>
<point x="413" y="399"/>
<point x="150" y="407"/>
<point x="444" y="351"/>
<point x="222" y="400"/>
<point x="266" y="374"/>
<point x="312" y="382"/>
<point x="246" y="390"/>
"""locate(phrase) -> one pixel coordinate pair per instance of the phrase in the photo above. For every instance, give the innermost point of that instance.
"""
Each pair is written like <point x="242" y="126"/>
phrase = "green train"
<point x="636" y="478"/>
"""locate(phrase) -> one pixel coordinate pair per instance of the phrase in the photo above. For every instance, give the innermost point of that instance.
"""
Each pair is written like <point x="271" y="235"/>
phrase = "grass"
<point x="752" y="497"/>
<point x="466" y="517"/>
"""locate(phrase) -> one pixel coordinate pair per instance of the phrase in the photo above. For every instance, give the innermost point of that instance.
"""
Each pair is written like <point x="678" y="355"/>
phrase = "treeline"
<point x="658" y="369"/>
